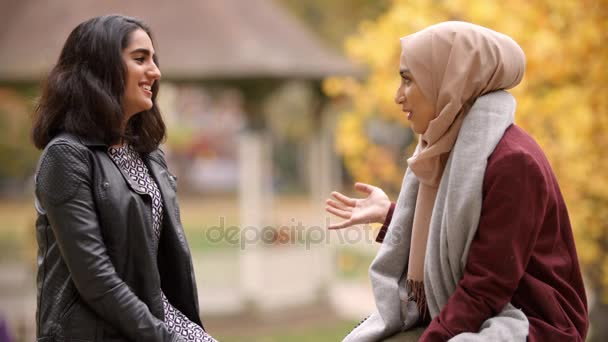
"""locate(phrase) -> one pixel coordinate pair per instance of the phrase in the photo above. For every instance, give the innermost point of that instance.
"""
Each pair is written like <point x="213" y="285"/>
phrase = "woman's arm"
<point x="64" y="188"/>
<point x="515" y="197"/>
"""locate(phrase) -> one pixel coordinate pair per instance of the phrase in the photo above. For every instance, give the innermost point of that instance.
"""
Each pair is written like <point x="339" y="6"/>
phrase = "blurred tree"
<point x="334" y="20"/>
<point x="17" y="153"/>
<point x="562" y="102"/>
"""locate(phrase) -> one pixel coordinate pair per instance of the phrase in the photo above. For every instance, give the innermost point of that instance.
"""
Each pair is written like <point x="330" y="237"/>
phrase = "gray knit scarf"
<point x="453" y="225"/>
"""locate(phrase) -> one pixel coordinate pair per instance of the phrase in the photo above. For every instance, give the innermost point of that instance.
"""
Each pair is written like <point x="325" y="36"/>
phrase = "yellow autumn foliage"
<point x="562" y="101"/>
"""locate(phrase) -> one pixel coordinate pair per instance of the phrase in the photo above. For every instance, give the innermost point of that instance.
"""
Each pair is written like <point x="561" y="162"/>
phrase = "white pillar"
<point x="323" y="176"/>
<point x="255" y="201"/>
<point x="323" y="164"/>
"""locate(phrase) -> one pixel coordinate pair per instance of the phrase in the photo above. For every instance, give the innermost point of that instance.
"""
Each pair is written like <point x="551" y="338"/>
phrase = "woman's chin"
<point x="145" y="107"/>
<point x="148" y="105"/>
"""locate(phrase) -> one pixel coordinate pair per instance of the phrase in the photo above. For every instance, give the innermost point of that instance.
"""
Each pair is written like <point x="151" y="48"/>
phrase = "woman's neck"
<point x="120" y="144"/>
<point x="121" y="141"/>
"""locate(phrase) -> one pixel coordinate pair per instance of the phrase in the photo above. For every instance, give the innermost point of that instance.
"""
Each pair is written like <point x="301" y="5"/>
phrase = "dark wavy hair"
<point x="83" y="92"/>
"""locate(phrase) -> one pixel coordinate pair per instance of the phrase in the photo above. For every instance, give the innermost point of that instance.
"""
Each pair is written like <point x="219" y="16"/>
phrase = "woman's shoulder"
<point x="66" y="139"/>
<point x="66" y="150"/>
<point x="518" y="155"/>
<point x="517" y="144"/>
<point x="62" y="168"/>
<point x="63" y="146"/>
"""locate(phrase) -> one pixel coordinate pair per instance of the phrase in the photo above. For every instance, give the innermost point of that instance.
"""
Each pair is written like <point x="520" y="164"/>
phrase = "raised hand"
<point x="372" y="208"/>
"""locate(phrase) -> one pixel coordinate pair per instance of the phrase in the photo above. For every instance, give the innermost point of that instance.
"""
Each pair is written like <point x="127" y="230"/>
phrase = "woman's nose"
<point x="399" y="97"/>
<point x="154" y="72"/>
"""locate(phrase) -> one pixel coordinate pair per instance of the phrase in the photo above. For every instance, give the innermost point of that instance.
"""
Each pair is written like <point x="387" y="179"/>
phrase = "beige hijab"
<point x="453" y="63"/>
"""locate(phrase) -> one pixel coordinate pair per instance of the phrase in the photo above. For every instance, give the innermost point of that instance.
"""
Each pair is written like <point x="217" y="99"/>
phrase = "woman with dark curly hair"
<point x="113" y="261"/>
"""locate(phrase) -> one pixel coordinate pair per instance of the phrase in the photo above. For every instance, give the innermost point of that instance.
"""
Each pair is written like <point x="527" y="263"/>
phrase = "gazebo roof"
<point x="195" y="39"/>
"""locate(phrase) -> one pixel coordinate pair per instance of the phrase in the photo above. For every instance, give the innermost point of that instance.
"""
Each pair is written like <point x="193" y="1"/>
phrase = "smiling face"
<point x="420" y="111"/>
<point x="141" y="74"/>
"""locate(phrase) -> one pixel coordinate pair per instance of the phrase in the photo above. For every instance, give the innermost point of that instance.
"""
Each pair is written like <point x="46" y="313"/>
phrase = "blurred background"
<point x="270" y="105"/>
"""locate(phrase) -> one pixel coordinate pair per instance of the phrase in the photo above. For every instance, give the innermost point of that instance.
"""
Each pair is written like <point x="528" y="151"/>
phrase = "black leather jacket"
<point x="98" y="276"/>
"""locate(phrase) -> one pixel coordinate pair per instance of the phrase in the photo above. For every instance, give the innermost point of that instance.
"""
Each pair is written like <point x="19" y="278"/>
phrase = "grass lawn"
<point x="332" y="333"/>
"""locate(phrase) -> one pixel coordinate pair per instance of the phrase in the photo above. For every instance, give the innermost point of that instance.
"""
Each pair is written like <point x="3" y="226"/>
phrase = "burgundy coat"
<point x="523" y="251"/>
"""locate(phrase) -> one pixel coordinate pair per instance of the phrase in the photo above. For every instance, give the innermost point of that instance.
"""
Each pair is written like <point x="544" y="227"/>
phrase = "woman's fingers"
<point x="344" y="199"/>
<point x="340" y="213"/>
<point x="364" y="188"/>
<point x="338" y="205"/>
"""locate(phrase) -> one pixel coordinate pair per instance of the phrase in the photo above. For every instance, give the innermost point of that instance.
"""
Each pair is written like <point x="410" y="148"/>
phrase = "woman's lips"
<point x="147" y="89"/>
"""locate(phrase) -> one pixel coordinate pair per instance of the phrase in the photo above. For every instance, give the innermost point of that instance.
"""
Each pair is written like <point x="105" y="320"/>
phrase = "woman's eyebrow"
<point x="146" y="52"/>
<point x="404" y="71"/>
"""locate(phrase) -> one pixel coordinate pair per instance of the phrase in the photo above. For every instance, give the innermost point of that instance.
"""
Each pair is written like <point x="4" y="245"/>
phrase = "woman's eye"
<point x="140" y="59"/>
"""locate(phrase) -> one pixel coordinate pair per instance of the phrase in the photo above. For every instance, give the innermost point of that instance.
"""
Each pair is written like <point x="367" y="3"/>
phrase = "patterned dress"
<point x="131" y="163"/>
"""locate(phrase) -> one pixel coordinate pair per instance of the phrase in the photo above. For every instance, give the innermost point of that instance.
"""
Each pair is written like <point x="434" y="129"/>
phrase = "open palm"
<point x="372" y="208"/>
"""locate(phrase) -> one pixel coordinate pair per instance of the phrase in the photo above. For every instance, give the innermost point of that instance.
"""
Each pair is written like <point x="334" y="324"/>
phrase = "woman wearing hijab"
<point x="479" y="245"/>
<point x="113" y="261"/>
